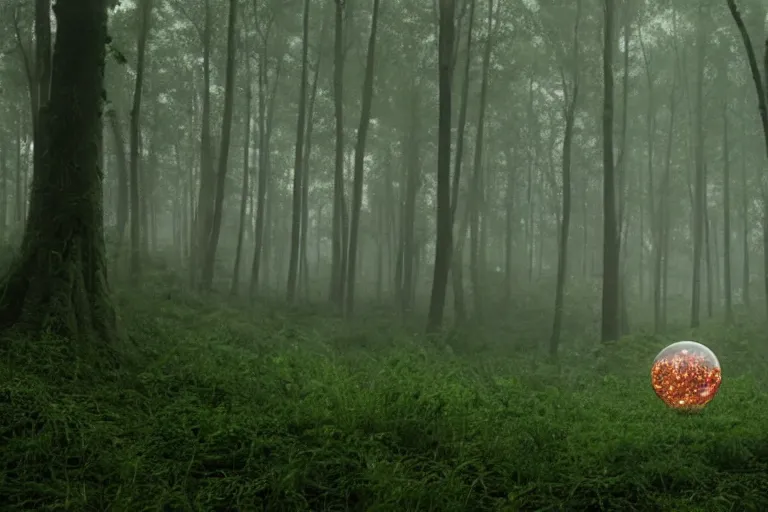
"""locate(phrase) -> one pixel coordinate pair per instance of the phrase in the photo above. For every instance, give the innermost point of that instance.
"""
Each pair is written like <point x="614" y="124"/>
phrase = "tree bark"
<point x="763" y="111"/>
<point x="477" y="192"/>
<point x="235" y="288"/>
<point x="562" y="256"/>
<point x="42" y="71"/>
<point x="727" y="219"/>
<point x="357" y="184"/>
<point x="144" y="13"/>
<point x="661" y="219"/>
<point x="699" y="181"/>
<point x="59" y="282"/>
<point x="304" y="242"/>
<point x="337" y="236"/>
<point x="457" y="252"/>
<point x="206" y="281"/>
<point x="443" y="242"/>
<point x="206" y="194"/>
<point x="610" y="328"/>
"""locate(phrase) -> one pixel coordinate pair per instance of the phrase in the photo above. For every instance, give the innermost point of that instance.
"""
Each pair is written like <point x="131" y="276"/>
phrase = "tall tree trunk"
<point x="357" y="184"/>
<point x="620" y="168"/>
<point x="144" y="13"/>
<point x="304" y="264"/>
<point x="509" y="231"/>
<point x="763" y="111"/>
<point x="147" y="180"/>
<point x="708" y="255"/>
<point x="206" y="281"/>
<point x="18" y="216"/>
<point x="533" y="149"/>
<point x="260" y="254"/>
<point x="661" y="216"/>
<point x="191" y="185"/>
<point x="59" y="282"/>
<point x="727" y="219"/>
<point x="650" y="135"/>
<point x="562" y="256"/>
<point x="746" y="273"/>
<point x="443" y="242"/>
<point x="411" y="167"/>
<point x="32" y="86"/>
<point x="235" y="288"/>
<point x="457" y="253"/>
<point x="298" y="165"/>
<point x="476" y="197"/>
<point x="700" y="184"/>
<point x="206" y="194"/>
<point x="271" y="198"/>
<point x="337" y="267"/>
<point x="262" y="177"/>
<point x="610" y="328"/>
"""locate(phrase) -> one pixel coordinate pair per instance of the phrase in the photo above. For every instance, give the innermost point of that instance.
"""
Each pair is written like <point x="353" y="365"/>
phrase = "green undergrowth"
<point x="263" y="408"/>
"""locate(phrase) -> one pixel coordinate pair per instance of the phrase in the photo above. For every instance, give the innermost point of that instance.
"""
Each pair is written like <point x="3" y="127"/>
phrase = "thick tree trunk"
<point x="59" y="282"/>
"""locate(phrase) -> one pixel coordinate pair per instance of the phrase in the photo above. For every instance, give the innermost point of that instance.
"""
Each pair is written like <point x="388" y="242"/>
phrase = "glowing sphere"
<point x="686" y="375"/>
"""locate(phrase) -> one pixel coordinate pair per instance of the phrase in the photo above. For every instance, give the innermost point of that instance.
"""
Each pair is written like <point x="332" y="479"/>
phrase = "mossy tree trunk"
<point x="59" y="283"/>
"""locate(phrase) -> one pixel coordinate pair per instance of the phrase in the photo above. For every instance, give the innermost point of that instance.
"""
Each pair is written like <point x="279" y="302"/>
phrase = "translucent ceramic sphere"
<point x="686" y="375"/>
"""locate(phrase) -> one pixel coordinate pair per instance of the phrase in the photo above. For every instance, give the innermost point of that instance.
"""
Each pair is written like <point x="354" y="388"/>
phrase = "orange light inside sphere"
<point x="686" y="375"/>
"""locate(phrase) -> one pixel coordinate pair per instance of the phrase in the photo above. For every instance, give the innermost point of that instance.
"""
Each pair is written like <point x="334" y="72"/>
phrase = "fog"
<point x="383" y="255"/>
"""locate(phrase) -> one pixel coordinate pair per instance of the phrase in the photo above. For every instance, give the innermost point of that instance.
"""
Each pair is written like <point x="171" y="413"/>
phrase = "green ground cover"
<point x="234" y="408"/>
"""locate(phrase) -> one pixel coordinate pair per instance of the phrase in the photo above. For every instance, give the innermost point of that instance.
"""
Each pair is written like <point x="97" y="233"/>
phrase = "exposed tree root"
<point x="60" y="289"/>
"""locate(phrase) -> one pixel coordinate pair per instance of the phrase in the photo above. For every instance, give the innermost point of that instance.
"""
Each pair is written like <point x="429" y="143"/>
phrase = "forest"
<point x="365" y="255"/>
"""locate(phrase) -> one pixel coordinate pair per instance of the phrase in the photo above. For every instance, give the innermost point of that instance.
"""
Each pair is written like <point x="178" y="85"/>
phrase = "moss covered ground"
<point x="227" y="407"/>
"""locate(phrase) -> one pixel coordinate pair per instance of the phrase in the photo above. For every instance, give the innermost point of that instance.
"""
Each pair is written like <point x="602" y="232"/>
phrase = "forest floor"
<point x="223" y="407"/>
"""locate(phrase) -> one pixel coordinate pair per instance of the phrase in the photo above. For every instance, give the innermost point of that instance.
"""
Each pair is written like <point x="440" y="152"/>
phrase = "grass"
<point x="226" y="408"/>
